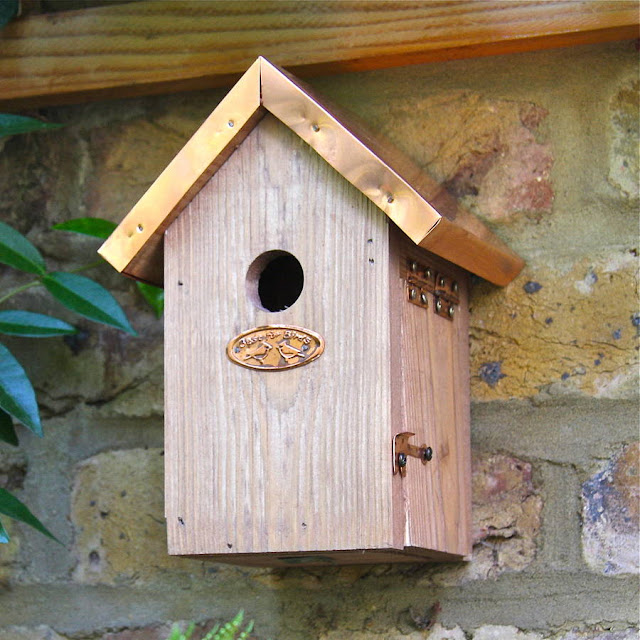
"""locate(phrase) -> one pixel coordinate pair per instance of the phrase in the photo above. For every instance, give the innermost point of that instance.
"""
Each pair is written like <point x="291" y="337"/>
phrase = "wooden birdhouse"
<point x="316" y="336"/>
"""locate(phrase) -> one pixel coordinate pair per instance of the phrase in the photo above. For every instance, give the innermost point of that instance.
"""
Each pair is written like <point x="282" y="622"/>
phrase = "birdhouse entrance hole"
<point x="275" y="280"/>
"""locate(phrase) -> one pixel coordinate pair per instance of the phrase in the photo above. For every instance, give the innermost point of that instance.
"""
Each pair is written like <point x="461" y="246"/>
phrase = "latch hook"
<point x="402" y="448"/>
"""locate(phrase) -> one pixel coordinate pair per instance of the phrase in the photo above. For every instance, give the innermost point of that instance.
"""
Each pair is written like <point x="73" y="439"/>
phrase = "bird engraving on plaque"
<point x="275" y="347"/>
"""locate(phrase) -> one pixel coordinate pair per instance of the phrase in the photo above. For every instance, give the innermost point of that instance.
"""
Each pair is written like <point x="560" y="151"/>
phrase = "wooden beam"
<point x="152" y="47"/>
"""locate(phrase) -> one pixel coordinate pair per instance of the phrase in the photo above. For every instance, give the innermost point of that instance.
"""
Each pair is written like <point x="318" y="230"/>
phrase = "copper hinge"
<point x="423" y="280"/>
<point x="402" y="449"/>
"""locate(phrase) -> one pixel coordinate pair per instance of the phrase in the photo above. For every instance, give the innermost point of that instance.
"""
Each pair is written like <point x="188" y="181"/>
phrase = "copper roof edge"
<point x="387" y="176"/>
<point x="132" y="248"/>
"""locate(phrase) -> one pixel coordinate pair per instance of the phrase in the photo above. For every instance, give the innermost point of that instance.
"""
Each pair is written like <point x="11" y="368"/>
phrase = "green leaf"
<point x="154" y="296"/>
<point x="8" y="10"/>
<point x="88" y="298"/>
<point x="96" y="227"/>
<point x="16" y="393"/>
<point x="7" y="432"/>
<point x="4" y="536"/>
<point x="12" y="507"/>
<point x="33" y="325"/>
<point x="11" y="124"/>
<point x="18" y="252"/>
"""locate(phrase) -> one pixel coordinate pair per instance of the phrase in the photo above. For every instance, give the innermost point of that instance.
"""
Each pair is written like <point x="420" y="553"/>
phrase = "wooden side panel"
<point x="431" y="399"/>
<point x="282" y="461"/>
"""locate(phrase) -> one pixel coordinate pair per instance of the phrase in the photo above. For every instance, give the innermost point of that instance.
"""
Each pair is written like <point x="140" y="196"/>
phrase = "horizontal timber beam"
<point x="151" y="47"/>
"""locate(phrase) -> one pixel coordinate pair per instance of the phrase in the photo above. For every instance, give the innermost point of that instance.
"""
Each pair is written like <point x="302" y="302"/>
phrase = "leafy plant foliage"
<point x="229" y="631"/>
<point x="154" y="296"/>
<point x="78" y="293"/>
<point x="11" y="124"/>
<point x="87" y="298"/>
<point x="12" y="507"/>
<point x="99" y="228"/>
<point x="8" y="10"/>
<point x="95" y="227"/>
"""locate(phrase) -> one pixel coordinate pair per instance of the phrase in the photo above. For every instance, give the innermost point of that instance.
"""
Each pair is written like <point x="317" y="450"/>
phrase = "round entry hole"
<point x="275" y="280"/>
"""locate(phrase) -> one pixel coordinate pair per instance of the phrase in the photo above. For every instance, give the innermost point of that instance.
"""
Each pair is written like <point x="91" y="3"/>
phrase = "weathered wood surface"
<point x="158" y="47"/>
<point x="430" y="397"/>
<point x="295" y="460"/>
<point x="299" y="461"/>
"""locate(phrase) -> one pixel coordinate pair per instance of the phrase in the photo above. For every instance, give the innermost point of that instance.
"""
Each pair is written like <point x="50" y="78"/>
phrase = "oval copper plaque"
<point x="275" y="347"/>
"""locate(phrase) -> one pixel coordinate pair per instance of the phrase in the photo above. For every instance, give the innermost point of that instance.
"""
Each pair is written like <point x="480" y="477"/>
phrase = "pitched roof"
<point x="421" y="207"/>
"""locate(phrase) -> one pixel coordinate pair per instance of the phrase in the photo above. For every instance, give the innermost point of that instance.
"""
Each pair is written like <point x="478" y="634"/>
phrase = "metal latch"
<point x="403" y="448"/>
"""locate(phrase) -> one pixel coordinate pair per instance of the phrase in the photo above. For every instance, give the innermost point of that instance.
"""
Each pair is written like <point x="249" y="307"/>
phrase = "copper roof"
<point x="421" y="207"/>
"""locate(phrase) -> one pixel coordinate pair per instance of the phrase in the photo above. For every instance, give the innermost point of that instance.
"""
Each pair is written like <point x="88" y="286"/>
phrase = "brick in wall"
<point x="611" y="515"/>
<point x="557" y="331"/>
<point x="118" y="515"/>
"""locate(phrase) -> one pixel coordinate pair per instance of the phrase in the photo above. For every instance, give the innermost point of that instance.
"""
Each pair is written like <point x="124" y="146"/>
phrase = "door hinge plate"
<point x="423" y="281"/>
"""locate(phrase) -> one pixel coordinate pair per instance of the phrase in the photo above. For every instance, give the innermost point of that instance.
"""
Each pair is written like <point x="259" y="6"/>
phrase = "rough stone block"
<point x="9" y="553"/>
<point x="557" y="331"/>
<point x="13" y="466"/>
<point x="499" y="632"/>
<point x="41" y="632"/>
<point x="142" y="400"/>
<point x="61" y="376"/>
<point x="488" y="152"/>
<point x="611" y="515"/>
<point x="345" y="634"/>
<point x="599" y="634"/>
<point x="506" y="507"/>
<point x="438" y="632"/>
<point x="506" y="521"/>
<point x="127" y="157"/>
<point x="33" y="171"/>
<point x="624" y="132"/>
<point x="117" y="510"/>
<point x="152" y="632"/>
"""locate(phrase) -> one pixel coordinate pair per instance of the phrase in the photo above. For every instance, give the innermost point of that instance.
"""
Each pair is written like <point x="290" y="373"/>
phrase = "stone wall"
<point x="544" y="147"/>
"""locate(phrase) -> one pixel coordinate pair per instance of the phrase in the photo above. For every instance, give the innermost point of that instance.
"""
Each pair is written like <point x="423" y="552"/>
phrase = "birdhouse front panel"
<point x="292" y="460"/>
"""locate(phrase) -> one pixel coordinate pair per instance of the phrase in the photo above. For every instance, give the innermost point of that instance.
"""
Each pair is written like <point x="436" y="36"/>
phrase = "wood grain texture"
<point x="288" y="461"/>
<point x="430" y="398"/>
<point x="157" y="47"/>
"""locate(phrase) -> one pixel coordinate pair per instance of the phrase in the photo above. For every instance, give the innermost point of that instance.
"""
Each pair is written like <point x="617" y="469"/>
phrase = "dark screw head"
<point x="402" y="460"/>
<point x="427" y="454"/>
